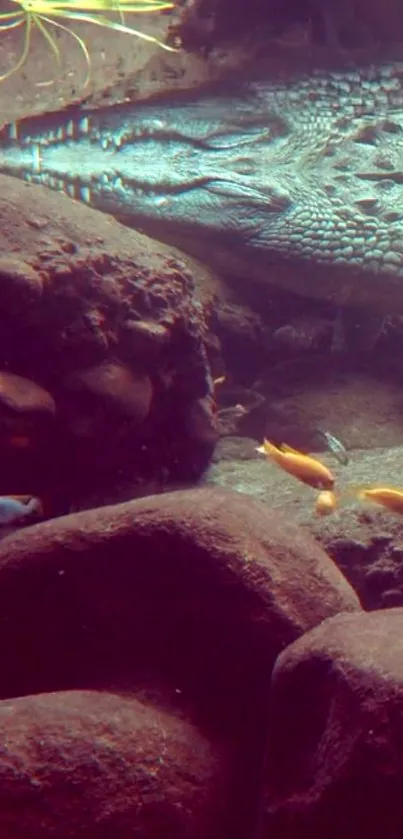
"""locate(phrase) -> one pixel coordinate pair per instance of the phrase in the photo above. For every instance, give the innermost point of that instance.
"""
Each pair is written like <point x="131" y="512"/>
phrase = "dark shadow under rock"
<point x="339" y="26"/>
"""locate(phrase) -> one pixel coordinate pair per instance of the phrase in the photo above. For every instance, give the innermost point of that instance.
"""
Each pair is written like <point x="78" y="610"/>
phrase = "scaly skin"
<point x="299" y="182"/>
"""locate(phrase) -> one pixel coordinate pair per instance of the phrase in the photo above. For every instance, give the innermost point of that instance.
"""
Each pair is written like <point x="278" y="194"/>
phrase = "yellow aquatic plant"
<point x="42" y="13"/>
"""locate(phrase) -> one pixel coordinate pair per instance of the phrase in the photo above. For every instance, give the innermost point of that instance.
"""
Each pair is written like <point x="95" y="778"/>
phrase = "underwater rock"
<point x="336" y="728"/>
<point x="303" y="334"/>
<point x="228" y="419"/>
<point x="27" y="422"/>
<point x="91" y="763"/>
<point x="201" y="421"/>
<point x="233" y="449"/>
<point x="297" y="25"/>
<point x="100" y="277"/>
<point x="241" y="330"/>
<point x="23" y="396"/>
<point x="192" y="592"/>
<point x="233" y="581"/>
<point x="392" y="597"/>
<point x="20" y="282"/>
<point x="238" y="408"/>
<point x="147" y="337"/>
<point x="117" y="387"/>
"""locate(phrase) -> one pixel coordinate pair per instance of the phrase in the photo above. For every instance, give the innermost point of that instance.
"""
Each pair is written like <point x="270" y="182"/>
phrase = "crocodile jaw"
<point x="297" y="183"/>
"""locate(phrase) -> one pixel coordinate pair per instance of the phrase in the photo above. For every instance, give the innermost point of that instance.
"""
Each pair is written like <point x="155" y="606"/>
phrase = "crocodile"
<point x="294" y="181"/>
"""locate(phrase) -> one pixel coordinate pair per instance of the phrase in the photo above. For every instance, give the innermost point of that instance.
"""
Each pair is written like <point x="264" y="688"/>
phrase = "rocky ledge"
<point x="104" y="380"/>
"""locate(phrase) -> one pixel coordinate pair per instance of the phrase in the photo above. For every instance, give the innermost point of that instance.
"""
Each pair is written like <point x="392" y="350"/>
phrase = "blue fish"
<point x="335" y="446"/>
<point x="12" y="511"/>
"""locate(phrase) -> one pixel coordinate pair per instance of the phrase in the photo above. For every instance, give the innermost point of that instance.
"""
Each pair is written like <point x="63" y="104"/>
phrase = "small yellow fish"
<point x="387" y="497"/>
<point x="326" y="503"/>
<point x="302" y="466"/>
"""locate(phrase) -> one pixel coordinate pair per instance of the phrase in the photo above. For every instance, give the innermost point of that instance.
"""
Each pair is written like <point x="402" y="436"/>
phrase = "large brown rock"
<point x="24" y="396"/>
<point x="192" y="593"/>
<point x="204" y="586"/>
<point x="110" y="326"/>
<point x="116" y="389"/>
<point x="94" y="764"/>
<point x="335" y="759"/>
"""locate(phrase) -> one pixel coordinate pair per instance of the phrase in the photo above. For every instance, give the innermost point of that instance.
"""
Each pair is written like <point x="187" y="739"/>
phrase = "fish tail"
<point x="34" y="506"/>
<point x="272" y="450"/>
<point x="39" y="510"/>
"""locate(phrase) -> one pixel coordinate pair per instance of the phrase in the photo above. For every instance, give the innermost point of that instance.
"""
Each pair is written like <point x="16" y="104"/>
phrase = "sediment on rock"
<point x="108" y="324"/>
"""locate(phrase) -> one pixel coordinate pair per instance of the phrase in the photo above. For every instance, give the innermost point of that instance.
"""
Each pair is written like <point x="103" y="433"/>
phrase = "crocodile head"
<point x="298" y="183"/>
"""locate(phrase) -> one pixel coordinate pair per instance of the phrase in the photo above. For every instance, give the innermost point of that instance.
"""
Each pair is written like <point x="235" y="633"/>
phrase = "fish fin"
<point x="355" y="330"/>
<point x="268" y="448"/>
<point x="288" y="449"/>
<point x="379" y="488"/>
<point x="38" y="507"/>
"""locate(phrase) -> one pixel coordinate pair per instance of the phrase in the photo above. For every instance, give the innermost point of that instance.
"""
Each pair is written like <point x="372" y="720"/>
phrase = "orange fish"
<point x="326" y="503"/>
<point x="387" y="497"/>
<point x="302" y="466"/>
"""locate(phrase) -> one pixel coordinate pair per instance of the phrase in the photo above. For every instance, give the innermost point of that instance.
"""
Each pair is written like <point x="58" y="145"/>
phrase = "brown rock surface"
<point x="335" y="765"/>
<point x="122" y="66"/>
<point x="24" y="396"/>
<point x="193" y="593"/>
<point x="203" y="586"/>
<point x="19" y="278"/>
<point x="99" y="765"/>
<point x="117" y="387"/>
<point x="98" y="280"/>
<point x="116" y="59"/>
